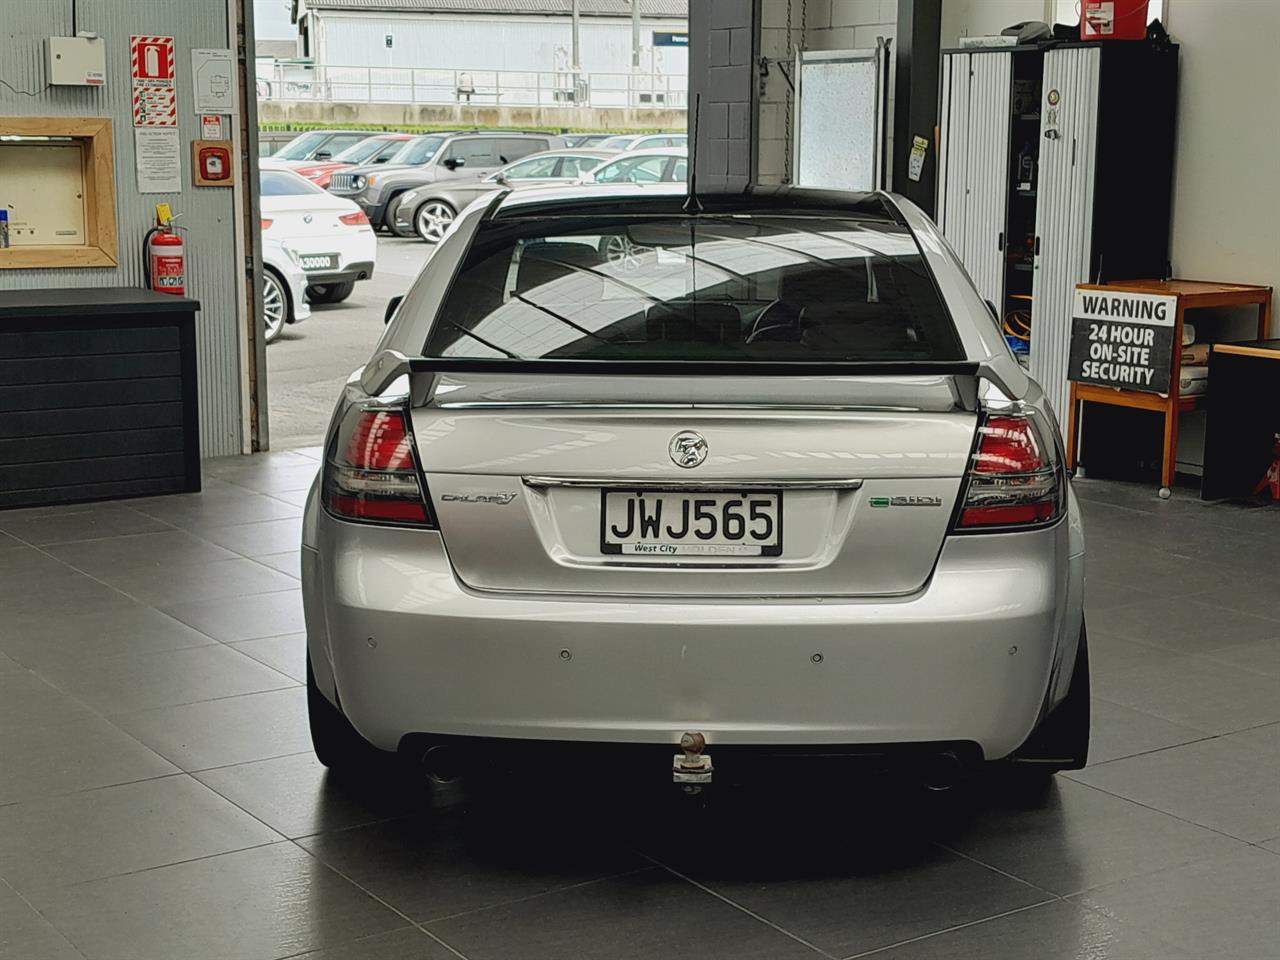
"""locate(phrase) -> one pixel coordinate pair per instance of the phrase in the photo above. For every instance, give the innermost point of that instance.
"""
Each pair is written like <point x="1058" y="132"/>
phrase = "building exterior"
<point x="507" y="35"/>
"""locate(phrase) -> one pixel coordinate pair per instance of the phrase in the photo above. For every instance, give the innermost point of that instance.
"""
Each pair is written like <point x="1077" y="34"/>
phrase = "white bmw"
<point x="335" y="244"/>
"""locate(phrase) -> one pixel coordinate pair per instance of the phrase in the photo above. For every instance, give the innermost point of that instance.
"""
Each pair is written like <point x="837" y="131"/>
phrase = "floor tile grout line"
<point x="373" y="896"/>
<point x="1172" y="746"/>
<point x="953" y="929"/>
<point x="39" y="913"/>
<point x="737" y="906"/>
<point x="44" y="797"/>
<point x="536" y="896"/>
<point x="291" y="685"/>
<point x="994" y="869"/>
<point x="243" y="763"/>
<point x="177" y="863"/>
<point x="1172" y="816"/>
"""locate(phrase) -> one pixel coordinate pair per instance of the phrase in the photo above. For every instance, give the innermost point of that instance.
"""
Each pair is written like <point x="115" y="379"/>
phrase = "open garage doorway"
<point x="378" y="127"/>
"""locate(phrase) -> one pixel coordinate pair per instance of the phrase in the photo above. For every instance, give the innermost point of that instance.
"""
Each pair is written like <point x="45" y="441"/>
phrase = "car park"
<point x="318" y="146"/>
<point x="373" y="150"/>
<point x="435" y="158"/>
<point x="653" y="165"/>
<point x="335" y="244"/>
<point x="427" y="211"/>
<point x="553" y="499"/>
<point x="284" y="288"/>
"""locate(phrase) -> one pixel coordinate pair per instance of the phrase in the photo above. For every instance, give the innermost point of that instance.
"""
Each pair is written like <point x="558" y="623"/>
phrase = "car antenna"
<point x="692" y="204"/>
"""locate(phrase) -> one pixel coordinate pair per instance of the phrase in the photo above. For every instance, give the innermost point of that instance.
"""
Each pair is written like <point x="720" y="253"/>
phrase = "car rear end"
<point x="758" y="479"/>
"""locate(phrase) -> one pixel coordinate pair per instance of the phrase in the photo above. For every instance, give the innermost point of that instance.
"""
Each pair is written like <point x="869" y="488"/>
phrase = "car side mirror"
<point x="392" y="305"/>
<point x="453" y="163"/>
<point x="323" y="155"/>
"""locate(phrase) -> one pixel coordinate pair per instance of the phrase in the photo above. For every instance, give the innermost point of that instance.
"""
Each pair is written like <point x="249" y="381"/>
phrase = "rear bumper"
<point x="360" y="270"/>
<point x="971" y="658"/>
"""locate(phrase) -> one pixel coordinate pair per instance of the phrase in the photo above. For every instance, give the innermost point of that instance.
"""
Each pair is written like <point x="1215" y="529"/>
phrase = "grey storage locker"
<point x="1056" y="168"/>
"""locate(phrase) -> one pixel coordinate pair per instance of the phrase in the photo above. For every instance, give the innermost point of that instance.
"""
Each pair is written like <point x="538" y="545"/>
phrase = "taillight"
<point x="1014" y="479"/>
<point x="371" y="471"/>
<point x="266" y="224"/>
<point x="357" y="219"/>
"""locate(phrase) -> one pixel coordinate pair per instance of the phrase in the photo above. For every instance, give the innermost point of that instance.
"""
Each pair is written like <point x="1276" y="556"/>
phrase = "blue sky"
<point x="271" y="20"/>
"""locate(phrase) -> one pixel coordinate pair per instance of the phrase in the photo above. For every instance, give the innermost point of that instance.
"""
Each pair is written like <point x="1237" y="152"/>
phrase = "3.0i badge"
<point x="905" y="501"/>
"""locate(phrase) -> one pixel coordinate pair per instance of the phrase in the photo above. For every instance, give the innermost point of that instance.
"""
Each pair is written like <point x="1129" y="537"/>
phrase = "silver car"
<point x="773" y="483"/>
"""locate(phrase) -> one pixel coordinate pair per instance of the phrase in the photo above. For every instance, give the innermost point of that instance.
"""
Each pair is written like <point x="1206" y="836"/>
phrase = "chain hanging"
<point x="786" y="110"/>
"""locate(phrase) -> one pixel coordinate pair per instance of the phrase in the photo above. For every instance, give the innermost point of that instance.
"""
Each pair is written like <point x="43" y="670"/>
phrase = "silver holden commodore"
<point x="721" y="478"/>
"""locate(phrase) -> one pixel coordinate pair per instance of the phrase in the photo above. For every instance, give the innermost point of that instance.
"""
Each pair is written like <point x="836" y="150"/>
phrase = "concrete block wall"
<point x="722" y="69"/>
<point x="814" y="25"/>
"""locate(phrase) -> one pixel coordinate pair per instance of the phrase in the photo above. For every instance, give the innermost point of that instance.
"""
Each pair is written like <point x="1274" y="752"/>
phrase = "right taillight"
<point x="1014" y="478"/>
<point x="371" y="471"/>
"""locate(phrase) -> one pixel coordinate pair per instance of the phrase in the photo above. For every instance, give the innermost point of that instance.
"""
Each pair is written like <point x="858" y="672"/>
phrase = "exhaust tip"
<point x="940" y="771"/>
<point x="443" y="764"/>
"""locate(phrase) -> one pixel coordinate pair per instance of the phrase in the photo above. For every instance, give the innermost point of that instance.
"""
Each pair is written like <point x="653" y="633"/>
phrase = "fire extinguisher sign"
<point x="155" y="86"/>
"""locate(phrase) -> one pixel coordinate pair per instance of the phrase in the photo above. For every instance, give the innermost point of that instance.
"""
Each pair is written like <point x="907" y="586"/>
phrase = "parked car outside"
<point x="318" y="146"/>
<point x="585" y="139"/>
<point x="269" y="141"/>
<point x="378" y="189"/>
<point x="427" y="211"/>
<point x="655" y="165"/>
<point x="374" y="150"/>
<point x="643" y="141"/>
<point x="284" y="288"/>
<point x="852" y="535"/>
<point x="335" y="245"/>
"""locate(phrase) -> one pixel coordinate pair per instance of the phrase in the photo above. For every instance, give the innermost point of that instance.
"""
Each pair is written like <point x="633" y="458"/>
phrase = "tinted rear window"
<point x="705" y="288"/>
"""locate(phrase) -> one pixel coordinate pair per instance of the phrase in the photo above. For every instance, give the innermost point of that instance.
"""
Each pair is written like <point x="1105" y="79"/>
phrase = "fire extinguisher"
<point x="164" y="258"/>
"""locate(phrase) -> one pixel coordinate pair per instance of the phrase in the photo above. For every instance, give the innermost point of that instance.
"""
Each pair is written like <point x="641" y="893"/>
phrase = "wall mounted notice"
<point x="155" y="89"/>
<point x="213" y="75"/>
<point x="1122" y="340"/>
<point x="158" y="157"/>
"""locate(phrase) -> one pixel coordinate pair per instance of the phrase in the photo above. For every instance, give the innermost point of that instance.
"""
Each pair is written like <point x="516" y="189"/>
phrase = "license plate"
<point x="691" y="523"/>
<point x="318" y="261"/>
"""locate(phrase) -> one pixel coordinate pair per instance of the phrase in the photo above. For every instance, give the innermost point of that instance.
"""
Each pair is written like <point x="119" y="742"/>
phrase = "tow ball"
<point x="691" y="768"/>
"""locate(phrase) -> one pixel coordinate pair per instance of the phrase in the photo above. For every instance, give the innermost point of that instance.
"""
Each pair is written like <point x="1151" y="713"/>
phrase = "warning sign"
<point x="155" y="88"/>
<point x="1122" y="340"/>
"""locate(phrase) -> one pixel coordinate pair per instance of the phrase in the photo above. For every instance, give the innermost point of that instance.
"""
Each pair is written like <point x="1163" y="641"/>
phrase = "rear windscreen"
<point x="694" y="288"/>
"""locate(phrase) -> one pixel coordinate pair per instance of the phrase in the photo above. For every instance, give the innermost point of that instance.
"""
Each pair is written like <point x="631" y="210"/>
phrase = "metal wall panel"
<point x="953" y="159"/>
<point x="1064" y="211"/>
<point x="207" y="214"/>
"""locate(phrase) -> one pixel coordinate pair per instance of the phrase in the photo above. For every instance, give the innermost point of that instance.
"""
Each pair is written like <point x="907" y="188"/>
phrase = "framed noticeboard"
<point x="65" y="213"/>
<point x="1124" y="340"/>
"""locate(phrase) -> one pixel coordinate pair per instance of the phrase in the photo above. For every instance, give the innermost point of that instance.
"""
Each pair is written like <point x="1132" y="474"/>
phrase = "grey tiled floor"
<point x="158" y="797"/>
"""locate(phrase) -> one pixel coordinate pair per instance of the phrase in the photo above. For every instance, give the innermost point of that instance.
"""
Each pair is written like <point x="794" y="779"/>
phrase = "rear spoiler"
<point x="389" y="365"/>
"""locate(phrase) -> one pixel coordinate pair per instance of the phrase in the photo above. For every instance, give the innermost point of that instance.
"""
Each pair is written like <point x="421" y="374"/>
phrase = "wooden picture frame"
<point x="100" y="248"/>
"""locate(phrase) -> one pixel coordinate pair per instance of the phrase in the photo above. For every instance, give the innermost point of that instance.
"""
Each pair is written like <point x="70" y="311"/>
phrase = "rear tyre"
<point x="336" y="743"/>
<point x="1061" y="742"/>
<point x="276" y="309"/>
<point x="330" y="292"/>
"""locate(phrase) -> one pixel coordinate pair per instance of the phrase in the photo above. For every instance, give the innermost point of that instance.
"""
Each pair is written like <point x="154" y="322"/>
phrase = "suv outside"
<point x="378" y="188"/>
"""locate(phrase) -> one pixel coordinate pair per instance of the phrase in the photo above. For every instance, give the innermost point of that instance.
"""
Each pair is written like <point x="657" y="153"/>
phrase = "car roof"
<point x="670" y="198"/>
<point x="657" y="152"/>
<point x="572" y="152"/>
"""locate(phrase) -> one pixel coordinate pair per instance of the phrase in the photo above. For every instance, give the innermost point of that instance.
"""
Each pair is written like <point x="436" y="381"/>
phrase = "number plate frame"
<point x="615" y="549"/>
<point x="330" y="261"/>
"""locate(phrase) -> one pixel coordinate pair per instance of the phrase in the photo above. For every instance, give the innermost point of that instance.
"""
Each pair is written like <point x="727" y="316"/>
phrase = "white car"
<point x="656" y="165"/>
<point x="335" y="244"/>
<point x="284" y="288"/>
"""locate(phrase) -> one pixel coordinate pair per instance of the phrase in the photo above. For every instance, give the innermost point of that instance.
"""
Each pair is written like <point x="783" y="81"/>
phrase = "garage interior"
<point x="158" y="792"/>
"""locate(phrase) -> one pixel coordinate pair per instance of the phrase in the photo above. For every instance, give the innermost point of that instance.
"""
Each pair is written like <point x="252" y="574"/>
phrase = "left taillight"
<point x="371" y="470"/>
<point x="1015" y="478"/>
<point x="357" y="219"/>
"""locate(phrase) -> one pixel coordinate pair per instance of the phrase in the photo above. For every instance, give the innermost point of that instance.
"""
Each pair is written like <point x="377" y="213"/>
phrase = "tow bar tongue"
<point x="692" y="768"/>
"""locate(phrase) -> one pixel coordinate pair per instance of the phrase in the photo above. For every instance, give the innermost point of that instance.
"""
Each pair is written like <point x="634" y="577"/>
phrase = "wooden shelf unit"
<point x="1192" y="295"/>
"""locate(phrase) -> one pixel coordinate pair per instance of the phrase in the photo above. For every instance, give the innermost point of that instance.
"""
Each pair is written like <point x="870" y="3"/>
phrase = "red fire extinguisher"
<point x="164" y="259"/>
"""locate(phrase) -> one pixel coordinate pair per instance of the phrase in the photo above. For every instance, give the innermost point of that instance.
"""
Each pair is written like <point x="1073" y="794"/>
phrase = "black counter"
<point x="98" y="395"/>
